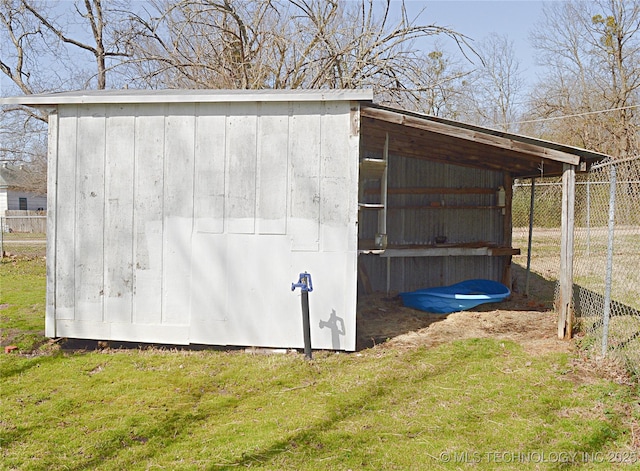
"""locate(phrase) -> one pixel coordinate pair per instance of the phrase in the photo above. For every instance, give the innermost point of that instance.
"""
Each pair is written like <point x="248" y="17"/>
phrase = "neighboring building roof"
<point x="9" y="174"/>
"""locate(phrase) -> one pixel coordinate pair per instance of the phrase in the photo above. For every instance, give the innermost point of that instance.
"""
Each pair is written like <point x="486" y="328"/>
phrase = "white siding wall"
<point x="10" y="200"/>
<point x="3" y="201"/>
<point x="187" y="223"/>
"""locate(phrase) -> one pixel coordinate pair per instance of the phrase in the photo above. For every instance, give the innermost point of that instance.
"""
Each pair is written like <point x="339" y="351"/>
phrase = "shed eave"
<point x="186" y="96"/>
<point x="434" y="138"/>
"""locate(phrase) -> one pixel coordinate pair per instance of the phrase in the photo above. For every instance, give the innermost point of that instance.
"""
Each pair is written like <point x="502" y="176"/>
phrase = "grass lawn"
<point x="473" y="404"/>
<point x="22" y="301"/>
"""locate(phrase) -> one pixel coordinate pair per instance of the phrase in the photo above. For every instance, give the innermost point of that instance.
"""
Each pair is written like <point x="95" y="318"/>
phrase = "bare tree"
<point x="283" y="44"/>
<point x="54" y="46"/>
<point x="20" y="48"/>
<point x="497" y="85"/>
<point x="93" y="13"/>
<point x="46" y="46"/>
<point x="616" y="41"/>
<point x="592" y="50"/>
<point x="60" y="46"/>
<point x="441" y="86"/>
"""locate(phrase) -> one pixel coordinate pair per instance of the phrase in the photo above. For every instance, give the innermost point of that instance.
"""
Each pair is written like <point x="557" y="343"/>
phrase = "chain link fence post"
<point x="608" y="273"/>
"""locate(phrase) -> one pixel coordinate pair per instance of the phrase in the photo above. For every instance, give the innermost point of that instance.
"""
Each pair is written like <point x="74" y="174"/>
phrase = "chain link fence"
<point x="606" y="298"/>
<point x="545" y="244"/>
<point x="606" y="272"/>
<point x="23" y="236"/>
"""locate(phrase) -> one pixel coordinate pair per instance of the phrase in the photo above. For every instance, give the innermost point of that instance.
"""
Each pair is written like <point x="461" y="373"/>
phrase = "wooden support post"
<point x="532" y="200"/>
<point x="566" y="253"/>
<point x="364" y="277"/>
<point x="507" y="228"/>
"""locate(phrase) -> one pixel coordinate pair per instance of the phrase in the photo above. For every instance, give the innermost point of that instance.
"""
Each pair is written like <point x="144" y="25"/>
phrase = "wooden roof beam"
<point x="469" y="135"/>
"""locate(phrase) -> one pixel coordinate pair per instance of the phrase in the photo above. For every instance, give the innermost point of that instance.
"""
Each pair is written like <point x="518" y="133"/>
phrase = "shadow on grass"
<point x="310" y="438"/>
<point x="167" y="430"/>
<point x="539" y="289"/>
<point x="12" y="368"/>
<point x="178" y="422"/>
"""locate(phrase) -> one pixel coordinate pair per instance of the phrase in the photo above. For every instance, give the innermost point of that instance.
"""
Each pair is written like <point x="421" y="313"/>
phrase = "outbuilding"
<point x="184" y="216"/>
<point x="12" y="197"/>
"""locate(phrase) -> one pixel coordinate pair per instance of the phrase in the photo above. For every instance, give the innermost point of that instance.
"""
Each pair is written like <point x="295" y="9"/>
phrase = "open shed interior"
<point x="435" y="198"/>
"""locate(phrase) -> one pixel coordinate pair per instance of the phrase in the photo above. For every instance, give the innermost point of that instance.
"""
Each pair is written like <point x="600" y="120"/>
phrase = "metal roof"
<point x="427" y="137"/>
<point x="185" y="96"/>
<point x="411" y="134"/>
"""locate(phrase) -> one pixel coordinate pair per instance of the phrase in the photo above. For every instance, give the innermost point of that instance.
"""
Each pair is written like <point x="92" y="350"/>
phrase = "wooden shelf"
<point x="371" y="205"/>
<point x="434" y="191"/>
<point x="372" y="169"/>
<point x="439" y="206"/>
<point x="439" y="250"/>
<point x="450" y="251"/>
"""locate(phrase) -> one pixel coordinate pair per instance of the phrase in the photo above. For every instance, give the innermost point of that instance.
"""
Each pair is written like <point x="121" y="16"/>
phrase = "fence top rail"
<point x="615" y="161"/>
<point x="23" y="217"/>
<point x="605" y="182"/>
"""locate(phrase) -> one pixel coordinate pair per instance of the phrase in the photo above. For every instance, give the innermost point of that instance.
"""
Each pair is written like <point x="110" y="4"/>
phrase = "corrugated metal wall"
<point x="417" y="219"/>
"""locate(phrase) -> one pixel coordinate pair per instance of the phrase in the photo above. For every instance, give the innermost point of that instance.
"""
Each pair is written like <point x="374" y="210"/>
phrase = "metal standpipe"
<point x="305" y="285"/>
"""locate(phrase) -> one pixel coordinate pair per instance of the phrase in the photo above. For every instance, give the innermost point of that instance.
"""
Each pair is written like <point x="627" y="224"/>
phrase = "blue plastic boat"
<point x="458" y="297"/>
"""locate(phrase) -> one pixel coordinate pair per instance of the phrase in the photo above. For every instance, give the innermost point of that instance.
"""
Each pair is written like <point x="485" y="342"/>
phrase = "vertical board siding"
<point x="208" y="300"/>
<point x="272" y="165"/>
<point x="209" y="294"/>
<point x="89" y="268"/>
<point x="178" y="212"/>
<point x="338" y="184"/>
<point x="148" y="253"/>
<point x="240" y="207"/>
<point x="210" y="155"/>
<point x="304" y="150"/>
<point x="118" y="215"/>
<point x="52" y="221"/>
<point x="189" y="222"/>
<point x="65" y="198"/>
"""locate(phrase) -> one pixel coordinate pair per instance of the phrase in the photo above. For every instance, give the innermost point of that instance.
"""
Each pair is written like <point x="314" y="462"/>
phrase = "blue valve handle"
<point x="304" y="283"/>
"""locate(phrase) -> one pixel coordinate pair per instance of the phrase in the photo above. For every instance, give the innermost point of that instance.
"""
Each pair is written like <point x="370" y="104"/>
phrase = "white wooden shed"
<point x="184" y="216"/>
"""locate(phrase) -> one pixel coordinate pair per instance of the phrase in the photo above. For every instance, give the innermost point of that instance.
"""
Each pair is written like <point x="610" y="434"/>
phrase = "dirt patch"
<point x="528" y="319"/>
<point x="535" y="331"/>
<point x="520" y="319"/>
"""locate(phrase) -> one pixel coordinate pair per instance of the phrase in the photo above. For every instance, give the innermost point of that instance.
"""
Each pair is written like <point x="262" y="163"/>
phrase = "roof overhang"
<point x="411" y="134"/>
<point x="426" y="137"/>
<point x="185" y="96"/>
